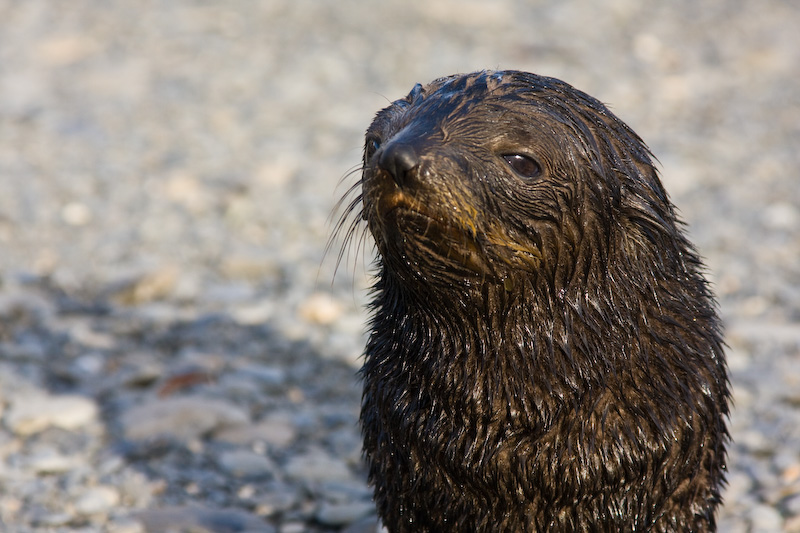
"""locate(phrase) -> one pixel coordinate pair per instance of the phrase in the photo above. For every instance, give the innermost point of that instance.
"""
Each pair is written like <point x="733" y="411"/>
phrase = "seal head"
<point x="545" y="353"/>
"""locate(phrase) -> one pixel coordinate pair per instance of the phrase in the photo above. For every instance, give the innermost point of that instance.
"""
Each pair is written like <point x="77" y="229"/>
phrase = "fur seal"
<point x="545" y="352"/>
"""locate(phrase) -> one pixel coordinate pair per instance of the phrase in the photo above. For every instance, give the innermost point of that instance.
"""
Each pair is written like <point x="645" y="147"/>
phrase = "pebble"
<point x="52" y="462"/>
<point x="792" y="504"/>
<point x="201" y="520"/>
<point x="76" y="214"/>
<point x="275" y="431"/>
<point x="244" y="463"/>
<point x="293" y="527"/>
<point x="279" y="499"/>
<point x="366" y="525"/>
<point x="34" y="413"/>
<point x="342" y="514"/>
<point x="317" y="466"/>
<point x="765" y="519"/>
<point x="792" y="525"/>
<point x="321" y="308"/>
<point x="48" y="519"/>
<point x="181" y="418"/>
<point x="125" y="524"/>
<point x="97" y="500"/>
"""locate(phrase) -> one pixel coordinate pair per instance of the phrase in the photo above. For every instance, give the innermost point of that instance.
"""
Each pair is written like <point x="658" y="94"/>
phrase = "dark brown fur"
<point x="545" y="352"/>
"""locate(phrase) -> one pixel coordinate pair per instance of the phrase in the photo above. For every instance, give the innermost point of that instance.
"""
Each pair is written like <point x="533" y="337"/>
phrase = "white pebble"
<point x="76" y="214"/>
<point x="321" y="308"/>
<point x="765" y="519"/>
<point x="51" y="462"/>
<point x="97" y="500"/>
<point x="32" y="413"/>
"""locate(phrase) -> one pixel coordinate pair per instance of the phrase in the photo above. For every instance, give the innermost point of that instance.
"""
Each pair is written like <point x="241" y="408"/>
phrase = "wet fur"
<point x="545" y="354"/>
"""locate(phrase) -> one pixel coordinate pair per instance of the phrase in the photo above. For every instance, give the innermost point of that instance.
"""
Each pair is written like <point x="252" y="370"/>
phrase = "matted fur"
<point x="545" y="353"/>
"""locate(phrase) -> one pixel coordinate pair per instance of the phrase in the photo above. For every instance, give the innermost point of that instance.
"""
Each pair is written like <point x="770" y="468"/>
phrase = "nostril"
<point x="399" y="159"/>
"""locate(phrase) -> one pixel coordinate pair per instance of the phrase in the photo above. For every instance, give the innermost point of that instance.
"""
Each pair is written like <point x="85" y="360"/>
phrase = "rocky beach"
<point x="178" y="352"/>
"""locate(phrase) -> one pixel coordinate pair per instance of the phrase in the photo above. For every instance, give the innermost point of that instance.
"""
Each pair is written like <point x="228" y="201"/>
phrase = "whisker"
<point x="349" y="210"/>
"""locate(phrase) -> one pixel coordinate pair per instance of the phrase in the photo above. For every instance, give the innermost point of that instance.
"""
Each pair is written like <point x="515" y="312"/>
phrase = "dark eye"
<point x="372" y="145"/>
<point x="523" y="165"/>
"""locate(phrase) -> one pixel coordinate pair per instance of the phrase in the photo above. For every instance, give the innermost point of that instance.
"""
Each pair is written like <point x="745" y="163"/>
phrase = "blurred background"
<point x="175" y="350"/>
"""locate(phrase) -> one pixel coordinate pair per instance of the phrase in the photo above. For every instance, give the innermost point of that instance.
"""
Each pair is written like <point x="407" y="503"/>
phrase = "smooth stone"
<point x="266" y="375"/>
<point x="53" y="519"/>
<point x="317" y="466"/>
<point x="201" y="520"/>
<point x="370" y="524"/>
<point x="342" y="514"/>
<point x="278" y="499"/>
<point x="32" y="413"/>
<point x="244" y="463"/>
<point x="792" y="525"/>
<point x="51" y="462"/>
<point x="183" y="418"/>
<point x="344" y="491"/>
<point x="738" y="485"/>
<point x="97" y="500"/>
<point x="765" y="519"/>
<point x="792" y="505"/>
<point x="321" y="308"/>
<point x="276" y="431"/>
<point x="125" y="525"/>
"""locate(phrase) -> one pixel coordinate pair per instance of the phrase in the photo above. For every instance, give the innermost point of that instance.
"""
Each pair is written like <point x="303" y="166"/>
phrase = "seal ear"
<point x="415" y="93"/>
<point x="651" y="229"/>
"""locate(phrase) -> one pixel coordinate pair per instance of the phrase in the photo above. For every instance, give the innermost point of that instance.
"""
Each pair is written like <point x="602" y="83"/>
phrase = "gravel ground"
<point x="175" y="351"/>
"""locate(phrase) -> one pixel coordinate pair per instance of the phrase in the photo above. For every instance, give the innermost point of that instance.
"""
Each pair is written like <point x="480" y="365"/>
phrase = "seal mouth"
<point x="416" y="222"/>
<point x="408" y="223"/>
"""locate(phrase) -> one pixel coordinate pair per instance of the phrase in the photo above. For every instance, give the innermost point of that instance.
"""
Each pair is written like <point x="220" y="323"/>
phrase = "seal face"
<point x="545" y="354"/>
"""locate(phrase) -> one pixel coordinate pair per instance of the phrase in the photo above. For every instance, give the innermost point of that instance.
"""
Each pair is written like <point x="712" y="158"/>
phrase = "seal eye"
<point x="523" y="165"/>
<point x="373" y="143"/>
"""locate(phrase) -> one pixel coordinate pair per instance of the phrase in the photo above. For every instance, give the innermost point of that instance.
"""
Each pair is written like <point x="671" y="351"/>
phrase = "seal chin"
<point x="423" y="238"/>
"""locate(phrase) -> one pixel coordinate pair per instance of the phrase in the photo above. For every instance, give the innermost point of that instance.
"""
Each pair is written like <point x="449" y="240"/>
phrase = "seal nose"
<point x="399" y="159"/>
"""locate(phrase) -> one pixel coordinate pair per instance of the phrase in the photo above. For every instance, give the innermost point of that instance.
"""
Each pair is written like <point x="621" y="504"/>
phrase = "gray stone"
<point x="125" y="525"/>
<point x="370" y="524"/>
<point x="342" y="514"/>
<point x="201" y="520"/>
<point x="96" y="500"/>
<point x="792" y="504"/>
<point x="245" y="463"/>
<point x="765" y="519"/>
<point x="739" y="484"/>
<point x="56" y="519"/>
<point x="278" y="499"/>
<point x="182" y="418"/>
<point x="317" y="466"/>
<point x="293" y="527"/>
<point x="50" y="461"/>
<point x="343" y="491"/>
<point x="276" y="431"/>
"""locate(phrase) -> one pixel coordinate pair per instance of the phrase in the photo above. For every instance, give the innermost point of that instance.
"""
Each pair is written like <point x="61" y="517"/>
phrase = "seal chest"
<point x="545" y="353"/>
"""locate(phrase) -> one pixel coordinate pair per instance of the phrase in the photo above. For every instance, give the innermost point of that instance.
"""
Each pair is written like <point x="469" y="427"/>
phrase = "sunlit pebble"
<point x="647" y="47"/>
<point x="246" y="492"/>
<point x="791" y="474"/>
<point x="76" y="214"/>
<point x="321" y="309"/>
<point x="781" y="216"/>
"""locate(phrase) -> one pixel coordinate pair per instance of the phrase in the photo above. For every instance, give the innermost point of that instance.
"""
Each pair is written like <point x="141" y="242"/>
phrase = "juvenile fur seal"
<point x="545" y="353"/>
